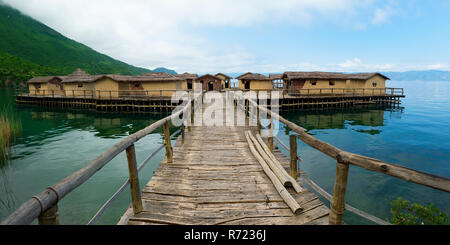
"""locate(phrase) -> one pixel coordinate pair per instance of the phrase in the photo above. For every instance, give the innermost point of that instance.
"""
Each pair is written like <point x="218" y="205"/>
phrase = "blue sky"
<point x="261" y="36"/>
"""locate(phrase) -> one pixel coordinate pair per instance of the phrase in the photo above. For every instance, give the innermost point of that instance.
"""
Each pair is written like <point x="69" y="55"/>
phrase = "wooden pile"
<point x="273" y="169"/>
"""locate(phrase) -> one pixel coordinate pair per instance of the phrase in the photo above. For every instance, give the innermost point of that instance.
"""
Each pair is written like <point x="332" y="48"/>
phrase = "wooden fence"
<point x="44" y="206"/>
<point x="344" y="159"/>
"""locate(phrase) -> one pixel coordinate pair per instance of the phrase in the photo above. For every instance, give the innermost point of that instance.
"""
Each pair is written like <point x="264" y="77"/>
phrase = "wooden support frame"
<point x="338" y="201"/>
<point x="136" y="200"/>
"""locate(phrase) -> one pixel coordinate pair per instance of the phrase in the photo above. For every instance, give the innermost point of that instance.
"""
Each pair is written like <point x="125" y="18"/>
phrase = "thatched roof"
<point x="330" y="75"/>
<point x="44" y="79"/>
<point x="275" y="76"/>
<point x="187" y="76"/>
<point x="253" y="76"/>
<point x="221" y="74"/>
<point x="78" y="76"/>
<point x="206" y="76"/>
<point x="147" y="77"/>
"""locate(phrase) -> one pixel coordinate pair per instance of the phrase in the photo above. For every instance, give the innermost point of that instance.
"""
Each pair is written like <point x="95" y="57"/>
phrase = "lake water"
<point x="55" y="143"/>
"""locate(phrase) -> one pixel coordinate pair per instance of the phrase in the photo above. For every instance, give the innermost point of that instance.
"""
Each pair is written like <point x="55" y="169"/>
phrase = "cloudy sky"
<point x="257" y="35"/>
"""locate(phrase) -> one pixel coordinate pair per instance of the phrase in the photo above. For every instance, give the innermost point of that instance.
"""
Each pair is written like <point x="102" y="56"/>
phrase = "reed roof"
<point x="253" y="76"/>
<point x="44" y="79"/>
<point x="221" y="74"/>
<point x="330" y="75"/>
<point x="83" y="77"/>
<point x="206" y="76"/>
<point x="187" y="76"/>
<point x="275" y="76"/>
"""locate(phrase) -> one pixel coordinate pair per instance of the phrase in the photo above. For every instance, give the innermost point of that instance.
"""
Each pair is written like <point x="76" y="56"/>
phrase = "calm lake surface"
<point x="55" y="143"/>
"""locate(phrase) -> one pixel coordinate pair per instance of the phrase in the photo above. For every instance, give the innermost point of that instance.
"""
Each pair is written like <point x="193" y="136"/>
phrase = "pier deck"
<point x="215" y="179"/>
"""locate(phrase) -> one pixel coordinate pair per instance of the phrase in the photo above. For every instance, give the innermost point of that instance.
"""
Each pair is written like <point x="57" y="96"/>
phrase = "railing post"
<point x="50" y="216"/>
<point x="134" y="180"/>
<point x="270" y="138"/>
<point x="246" y="108"/>
<point x="258" y="119"/>
<point x="182" y="133"/>
<point x="293" y="156"/>
<point x="192" y="112"/>
<point x="338" y="200"/>
<point x="169" y="151"/>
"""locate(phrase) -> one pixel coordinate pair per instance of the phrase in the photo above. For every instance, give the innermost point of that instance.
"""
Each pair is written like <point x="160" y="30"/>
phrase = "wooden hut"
<point x="46" y="85"/>
<point x="82" y="84"/>
<point x="190" y="79"/>
<point x="333" y="82"/>
<point x="254" y="81"/>
<point x="225" y="80"/>
<point x="210" y="82"/>
<point x="79" y="83"/>
<point x="151" y="84"/>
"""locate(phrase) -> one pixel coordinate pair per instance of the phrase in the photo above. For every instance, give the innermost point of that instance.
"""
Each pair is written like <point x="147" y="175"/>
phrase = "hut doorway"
<point x="189" y="84"/>
<point x="247" y="85"/>
<point x="210" y="86"/>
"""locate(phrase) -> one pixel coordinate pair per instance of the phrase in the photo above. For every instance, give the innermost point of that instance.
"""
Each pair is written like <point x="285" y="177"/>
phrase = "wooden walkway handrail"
<point x="49" y="198"/>
<point x="344" y="159"/>
<point x="394" y="170"/>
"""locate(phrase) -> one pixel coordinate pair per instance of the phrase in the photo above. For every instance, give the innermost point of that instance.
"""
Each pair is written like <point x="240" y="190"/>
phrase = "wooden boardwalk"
<point x="215" y="179"/>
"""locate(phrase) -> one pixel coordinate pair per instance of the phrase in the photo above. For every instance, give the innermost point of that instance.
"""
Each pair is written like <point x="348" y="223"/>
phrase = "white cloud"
<point x="165" y="33"/>
<point x="170" y="33"/>
<point x="438" y="66"/>
<point x="382" y="15"/>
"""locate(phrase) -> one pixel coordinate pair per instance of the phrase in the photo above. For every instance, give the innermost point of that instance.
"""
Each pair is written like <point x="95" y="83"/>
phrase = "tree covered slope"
<point x="29" y="48"/>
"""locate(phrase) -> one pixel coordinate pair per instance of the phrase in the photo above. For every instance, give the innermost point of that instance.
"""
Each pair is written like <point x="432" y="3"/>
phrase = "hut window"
<point x="37" y="86"/>
<point x="331" y="83"/>
<point x="80" y="85"/>
<point x="374" y="84"/>
<point x="137" y="85"/>
<point x="314" y="83"/>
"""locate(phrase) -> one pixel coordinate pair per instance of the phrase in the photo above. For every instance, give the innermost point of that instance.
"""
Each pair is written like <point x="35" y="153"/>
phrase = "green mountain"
<point x="29" y="48"/>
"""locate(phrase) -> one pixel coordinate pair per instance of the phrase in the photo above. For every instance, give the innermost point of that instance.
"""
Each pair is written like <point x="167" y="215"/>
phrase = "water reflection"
<point x="371" y="118"/>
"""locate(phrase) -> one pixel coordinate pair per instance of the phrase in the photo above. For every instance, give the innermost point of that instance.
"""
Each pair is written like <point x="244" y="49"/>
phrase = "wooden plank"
<point x="215" y="179"/>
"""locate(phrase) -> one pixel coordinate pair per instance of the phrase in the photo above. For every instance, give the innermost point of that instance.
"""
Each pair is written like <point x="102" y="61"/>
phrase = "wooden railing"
<point x="345" y="92"/>
<point x="44" y="206"/>
<point x="344" y="159"/>
<point x="99" y="94"/>
<point x="342" y="92"/>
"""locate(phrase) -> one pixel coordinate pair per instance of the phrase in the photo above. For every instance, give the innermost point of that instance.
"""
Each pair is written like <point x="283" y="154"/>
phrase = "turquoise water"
<point x="416" y="136"/>
<point x="55" y="143"/>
